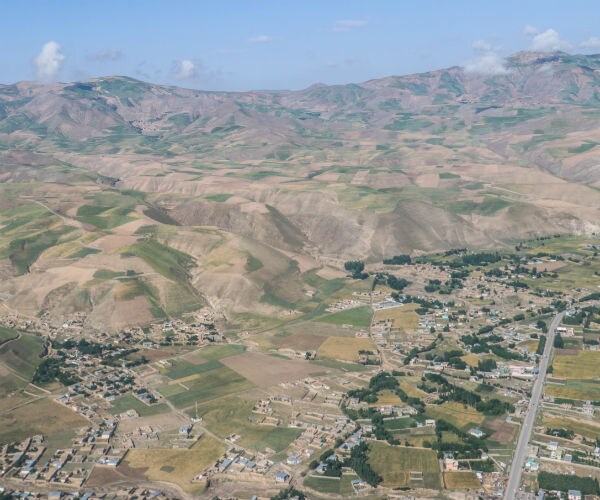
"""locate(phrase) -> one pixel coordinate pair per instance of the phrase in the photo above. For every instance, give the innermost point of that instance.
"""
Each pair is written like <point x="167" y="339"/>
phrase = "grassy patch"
<point x="253" y="264"/>
<point x="84" y="252"/>
<point x="344" y="348"/>
<point x="488" y="207"/>
<point x="40" y="417"/>
<point x="7" y="334"/>
<point x="209" y="385"/>
<point x="104" y="217"/>
<point x="586" y="429"/>
<point x="395" y="464"/>
<point x="171" y="263"/>
<point x="582" y="390"/>
<point x="332" y="485"/>
<point x="183" y="465"/>
<point x="234" y="415"/>
<point x="448" y="175"/>
<point x="221" y="351"/>
<point x="456" y="414"/>
<point x="340" y="365"/>
<point x="182" y="369"/>
<point x="130" y="402"/>
<point x="357" y="316"/>
<point x="461" y="480"/>
<point x="403" y="317"/>
<point x="581" y="365"/>
<point x="23" y="355"/>
<point x="582" y="148"/>
<point x="25" y="251"/>
<point x="107" y="274"/>
<point x="220" y="197"/>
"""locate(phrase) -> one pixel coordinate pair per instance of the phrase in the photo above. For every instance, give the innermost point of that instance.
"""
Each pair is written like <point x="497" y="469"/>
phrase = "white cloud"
<point x="342" y="25"/>
<point x="261" y="39"/>
<point x="529" y="30"/>
<point x="185" y="70"/>
<point x="481" y="46"/>
<point x="105" y="55"/>
<point x="549" y="41"/>
<point x="592" y="42"/>
<point x="49" y="61"/>
<point x="545" y="68"/>
<point x="488" y="63"/>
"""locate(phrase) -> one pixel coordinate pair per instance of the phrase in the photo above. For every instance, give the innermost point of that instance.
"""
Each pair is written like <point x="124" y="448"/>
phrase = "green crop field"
<point x="130" y="402"/>
<point x="7" y="334"/>
<point x="357" y="316"/>
<point x="212" y="384"/>
<point x="397" y="423"/>
<point x="332" y="485"/>
<point x="104" y="217"/>
<point x="25" y="251"/>
<point x="233" y="415"/>
<point x="171" y="263"/>
<point x="394" y="464"/>
<point x="181" y="368"/>
<point x="22" y="355"/>
<point x="221" y="351"/>
<point x="582" y="390"/>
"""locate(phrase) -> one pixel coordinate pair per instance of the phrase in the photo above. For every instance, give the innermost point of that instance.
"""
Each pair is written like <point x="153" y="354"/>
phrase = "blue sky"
<point x="286" y="44"/>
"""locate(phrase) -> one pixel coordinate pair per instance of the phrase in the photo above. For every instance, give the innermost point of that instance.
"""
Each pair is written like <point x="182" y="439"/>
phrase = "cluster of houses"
<point x="64" y="467"/>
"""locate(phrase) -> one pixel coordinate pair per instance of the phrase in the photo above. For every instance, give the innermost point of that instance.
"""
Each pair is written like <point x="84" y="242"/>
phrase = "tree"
<point x="356" y="268"/>
<point x="559" y="343"/>
<point x="487" y="365"/>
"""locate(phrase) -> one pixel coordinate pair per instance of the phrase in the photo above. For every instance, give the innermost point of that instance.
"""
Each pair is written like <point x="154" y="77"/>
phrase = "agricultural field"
<point x="22" y="356"/>
<point x="43" y="416"/>
<point x="264" y="370"/>
<point x="178" y="466"/>
<point x="409" y="385"/>
<point x="588" y="429"/>
<point x="461" y="416"/>
<point x="331" y="485"/>
<point x="582" y="390"/>
<point x="182" y="370"/>
<point x="344" y="348"/>
<point x="403" y="318"/>
<point x="234" y="415"/>
<point x="403" y="467"/>
<point x="579" y="365"/>
<point x="104" y="217"/>
<point x="356" y="316"/>
<point x="220" y="351"/>
<point x="460" y="480"/>
<point x="211" y="384"/>
<point x="7" y="334"/>
<point x="129" y="402"/>
<point x="502" y="432"/>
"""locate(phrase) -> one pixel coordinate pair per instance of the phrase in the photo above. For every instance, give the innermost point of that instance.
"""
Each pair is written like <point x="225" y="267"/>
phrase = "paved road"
<point x="516" y="468"/>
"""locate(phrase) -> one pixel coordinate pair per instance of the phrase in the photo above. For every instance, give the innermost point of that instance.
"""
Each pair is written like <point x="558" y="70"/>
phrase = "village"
<point x="442" y="377"/>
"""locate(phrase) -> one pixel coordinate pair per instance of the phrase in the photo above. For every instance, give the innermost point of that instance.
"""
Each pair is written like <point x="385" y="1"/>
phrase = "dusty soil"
<point x="264" y="370"/>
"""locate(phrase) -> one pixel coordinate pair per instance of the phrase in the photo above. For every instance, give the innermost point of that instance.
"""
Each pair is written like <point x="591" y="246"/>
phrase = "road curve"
<point x="516" y="467"/>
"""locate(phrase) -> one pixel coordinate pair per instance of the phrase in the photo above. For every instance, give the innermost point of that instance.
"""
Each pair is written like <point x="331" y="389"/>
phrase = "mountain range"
<point x="116" y="190"/>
